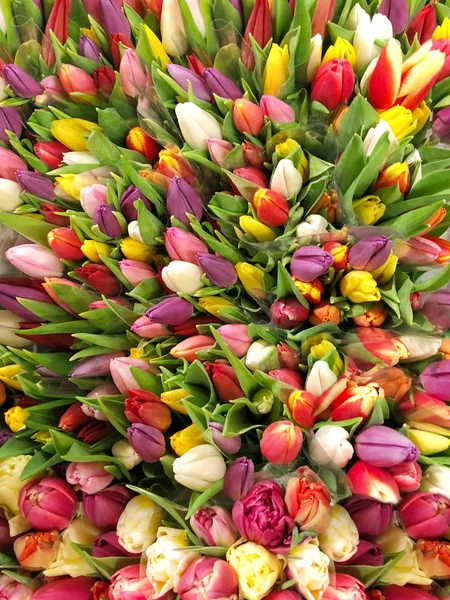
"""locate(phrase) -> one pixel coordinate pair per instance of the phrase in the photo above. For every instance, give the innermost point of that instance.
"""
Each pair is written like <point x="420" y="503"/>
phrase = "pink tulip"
<point x="214" y="526"/>
<point x="35" y="261"/>
<point x="395" y="592"/>
<point x="218" y="150"/>
<point x="345" y="587"/>
<point x="236" y="338"/>
<point x="425" y="515"/>
<point x="135" y="271"/>
<point x="105" y="507"/>
<point x="277" y="110"/>
<point x="122" y="375"/>
<point x="130" y="583"/>
<point x="188" y="348"/>
<point x="10" y="163"/>
<point x="77" y="588"/>
<point x="102" y="304"/>
<point x="10" y="589"/>
<point x="92" y="196"/>
<point x="48" y="503"/>
<point x="148" y="330"/>
<point x="182" y="245"/>
<point x="283" y="595"/>
<point x="373" y="482"/>
<point x="281" y="442"/>
<point x="208" y="578"/>
<point x="407" y="476"/>
<point x="132" y="74"/>
<point x="90" y="476"/>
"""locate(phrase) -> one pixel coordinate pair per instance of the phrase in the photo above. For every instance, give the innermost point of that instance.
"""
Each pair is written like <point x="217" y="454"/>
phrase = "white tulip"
<point x="320" y="378"/>
<point x="436" y="480"/>
<point x="125" y="453"/>
<point x="199" y="467"/>
<point x="134" y="232"/>
<point x="364" y="83"/>
<point x="340" y="540"/>
<point x="356" y="16"/>
<point x="262" y="356"/>
<point x="420" y="346"/>
<point x="415" y="159"/>
<point x="184" y="277"/>
<point x="80" y="158"/>
<point x="330" y="446"/>
<point x="315" y="56"/>
<point x="138" y="524"/>
<point x="197" y="125"/>
<point x="10" y="195"/>
<point x="173" y="34"/>
<point x="194" y="9"/>
<point x="286" y="179"/>
<point x="379" y="28"/>
<point x="8" y="322"/>
<point x="373" y="137"/>
<point x="309" y="567"/>
<point x="314" y="225"/>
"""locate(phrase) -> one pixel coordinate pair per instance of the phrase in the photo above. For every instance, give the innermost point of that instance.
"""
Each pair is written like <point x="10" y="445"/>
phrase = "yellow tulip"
<point x="15" y="417"/>
<point x="276" y="70"/>
<point x="252" y="278"/>
<point x="442" y="31"/>
<point x="322" y="349"/>
<point x="401" y="121"/>
<point x="93" y="250"/>
<point x="135" y="250"/>
<point x="73" y="133"/>
<point x="185" y="439"/>
<point x="258" y="230"/>
<point x="213" y="305"/>
<point x="369" y="209"/>
<point x="43" y="437"/>
<point x="427" y="442"/>
<point x="430" y="428"/>
<point x="90" y="33"/>
<point x="256" y="568"/>
<point x="341" y="49"/>
<point x="8" y="374"/>
<point x="422" y="116"/>
<point x="285" y="148"/>
<point x="174" y="400"/>
<point x="360" y="286"/>
<point x="386" y="272"/>
<point x="156" y="46"/>
<point x="73" y="184"/>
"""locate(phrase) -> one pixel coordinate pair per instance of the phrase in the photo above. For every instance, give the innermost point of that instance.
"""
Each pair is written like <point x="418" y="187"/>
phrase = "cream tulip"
<point x="197" y="126"/>
<point x="286" y="179"/>
<point x="308" y="566"/>
<point x="8" y="322"/>
<point x="340" y="540"/>
<point x="184" y="277"/>
<point x="436" y="480"/>
<point x="330" y="446"/>
<point x="138" y="524"/>
<point x="199" y="467"/>
<point x="10" y="195"/>
<point x="320" y="378"/>
<point x="173" y="34"/>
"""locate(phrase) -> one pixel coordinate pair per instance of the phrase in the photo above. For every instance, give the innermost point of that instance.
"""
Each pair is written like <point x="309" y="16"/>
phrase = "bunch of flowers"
<point x="225" y="363"/>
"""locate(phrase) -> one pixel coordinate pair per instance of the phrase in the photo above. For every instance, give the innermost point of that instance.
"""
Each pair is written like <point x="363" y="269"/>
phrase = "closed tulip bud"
<point x="65" y="243"/>
<point x="36" y="184"/>
<point x="122" y="375"/>
<point x="91" y="476"/>
<point x="183" y="77"/>
<point x="220" y="85"/>
<point x="135" y="271"/>
<point x="78" y="587"/>
<point x="423" y="25"/>
<point x="259" y="26"/>
<point x="435" y="378"/>
<point x="73" y="132"/>
<point x="198" y="468"/>
<point x="281" y="442"/>
<point x="398" y="173"/>
<point x="125" y="453"/>
<point x="330" y="446"/>
<point x="20" y="82"/>
<point x="441" y="125"/>
<point x="146" y="329"/>
<point x="105" y="507"/>
<point x="106" y="545"/>
<point x="93" y="432"/>
<point x="182" y="245"/>
<point x="300" y="403"/>
<point x="371" y="481"/>
<point x="145" y="407"/>
<point x="276" y="109"/>
<point x="100" y="278"/>
<point x="189" y="347"/>
<point x="171" y="311"/>
<point x="381" y="446"/>
<point x="247" y="117"/>
<point x="139" y="141"/>
<point x="271" y="207"/>
<point x="10" y="164"/>
<point x="197" y="126"/>
<point x="370" y="254"/>
<point x="127" y="200"/>
<point x="113" y="19"/>
<point x="218" y="270"/>
<point x="74" y="79"/>
<point x="310" y="262"/>
<point x="260" y="232"/>
<point x="93" y="196"/>
<point x="239" y="478"/>
<point x="147" y="441"/>
<point x="436" y="480"/>
<point x="208" y="577"/>
<point x="236" y="337"/>
<point x="136" y="250"/>
<point x="288" y="313"/>
<point x="35" y="261"/>
<point x="340" y="540"/>
<point x="88" y="48"/>
<point x="286" y="179"/>
<point x="132" y="74"/>
<point x="182" y="199"/>
<point x="367" y="553"/>
<point x="345" y="586"/>
<point x="218" y="150"/>
<point x="374" y="317"/>
<point x="320" y="378"/>
<point x="336" y="75"/>
<point x="9" y="121"/>
<point x="397" y="13"/>
<point x="225" y="382"/>
<point x="308" y="501"/>
<point x="230" y="445"/>
<point x="252" y="174"/>
<point x="36" y="551"/>
<point x="47" y="504"/>
<point x="138" y="524"/>
<point x="407" y="476"/>
<point x="181" y="276"/>
<point x="105" y="80"/>
<point x="253" y="155"/>
<point x="51" y="153"/>
<point x="214" y="526"/>
<point x="370" y="516"/>
<point x="360" y="286"/>
<point x="262" y="356"/>
<point x="187" y="438"/>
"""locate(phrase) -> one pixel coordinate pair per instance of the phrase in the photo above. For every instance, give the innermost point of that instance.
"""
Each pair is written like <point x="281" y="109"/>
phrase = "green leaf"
<point x="17" y="446"/>
<point x="370" y="575"/>
<point x="237" y="420"/>
<point x="203" y="498"/>
<point x="412" y="223"/>
<point x="435" y="283"/>
<point x="33" y="229"/>
<point x="146" y="381"/>
<point x="150" y="226"/>
<point x="77" y="298"/>
<point x="350" y="164"/>
<point x="40" y="462"/>
<point x="359" y="118"/>
<point x="45" y="310"/>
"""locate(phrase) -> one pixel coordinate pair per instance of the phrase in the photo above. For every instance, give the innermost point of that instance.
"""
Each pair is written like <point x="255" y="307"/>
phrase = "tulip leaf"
<point x="40" y="462"/>
<point x="112" y="342"/>
<point x="359" y="118"/>
<point x="17" y="446"/>
<point x="58" y="362"/>
<point x="215" y="551"/>
<point x="302" y="336"/>
<point x="432" y="184"/>
<point x="367" y="574"/>
<point x="435" y="283"/>
<point x="350" y="164"/>
<point x="34" y="230"/>
<point x="236" y="420"/>
<point x="150" y="227"/>
<point x="105" y="319"/>
<point x="203" y="498"/>
<point x="107" y="566"/>
<point x="146" y="381"/>
<point x="77" y="298"/>
<point x="45" y="310"/>
<point x="413" y="222"/>
<point x="286" y="287"/>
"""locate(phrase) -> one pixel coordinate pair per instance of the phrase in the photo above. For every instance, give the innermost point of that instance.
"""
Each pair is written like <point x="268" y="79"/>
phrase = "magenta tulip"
<point x="105" y="507"/>
<point x="47" y="503"/>
<point x="425" y="515"/>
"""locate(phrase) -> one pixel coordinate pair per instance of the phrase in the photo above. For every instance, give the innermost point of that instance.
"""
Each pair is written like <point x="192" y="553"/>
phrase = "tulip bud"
<point x="76" y="587"/>
<point x="340" y="540"/>
<point x="371" y="481"/>
<point x="398" y="173"/>
<point x="252" y="174"/>
<point x="121" y="374"/>
<point x="8" y="322"/>
<point x="181" y="245"/>
<point x="91" y="477"/>
<point x="230" y="445"/>
<point x="35" y="261"/>
<point x="218" y="150"/>
<point x="310" y="262"/>
<point x="135" y="271"/>
<point x="281" y="442"/>
<point x="288" y="313"/>
<point x="384" y="447"/>
<point x="93" y="196"/>
<point x="436" y="480"/>
<point x="36" y="551"/>
<point x="370" y="516"/>
<point x="198" y="468"/>
<point x="225" y="382"/>
<point x="197" y="126"/>
<point x="47" y="504"/>
<point x="74" y="79"/>
<point x="320" y="378"/>
<point x="125" y="453"/>
<point x="425" y="515"/>
<point x="271" y="207"/>
<point x="286" y="179"/>
<point x="184" y="277"/>
<point x="239" y="478"/>
<point x="106" y="545"/>
<point x="330" y="446"/>
<point x="254" y="156"/>
<point x="51" y="153"/>
<point x="105" y="507"/>
<point x="220" y="85"/>
<point x="247" y="117"/>
<point x="307" y="490"/>
<point x="370" y="254"/>
<point x="336" y="75"/>
<point x="139" y="141"/>
<point x="441" y="125"/>
<point x="127" y="200"/>
<point x="145" y="407"/>
<point x="435" y="379"/>
<point x="236" y="337"/>
<point x="171" y="311"/>
<point x="259" y="26"/>
<point x="183" y="77"/>
<point x="262" y="356"/>
<point x="65" y="243"/>
<point x="277" y="110"/>
<point x="367" y="553"/>
<point x="189" y="347"/>
<point x="208" y="577"/>
<point x="138" y="524"/>
<point x="11" y="589"/>
<point x="423" y="25"/>
<point x="407" y="476"/>
<point x="20" y="82"/>
<point x="214" y="526"/>
<point x="217" y="269"/>
<point x="182" y="199"/>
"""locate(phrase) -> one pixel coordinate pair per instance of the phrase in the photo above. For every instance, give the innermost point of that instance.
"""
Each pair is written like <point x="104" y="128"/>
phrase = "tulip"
<point x="225" y="382"/>
<point x="184" y="246"/>
<point x="407" y="476"/>
<point x="218" y="270"/>
<point x="259" y="26"/>
<point x="330" y="446"/>
<point x="226" y="444"/>
<point x="370" y="516"/>
<point x="73" y="418"/>
<point x="181" y="276"/>
<point x="65" y="243"/>
<point x="281" y="443"/>
<point x="314" y="225"/>
<point x="367" y="553"/>
<point x="10" y="164"/>
<point x="132" y="74"/>
<point x="360" y="286"/>
<point x="91" y="476"/>
<point x="198" y="468"/>
<point x="9" y="121"/>
<point x="397" y="13"/>
<point x="138" y="524"/>
<point x="9" y="299"/>
<point x="135" y="271"/>
<point x="197" y="126"/>
<point x="441" y="125"/>
<point x="219" y="150"/>
<point x="367" y="32"/>
<point x="47" y="504"/>
<point x="100" y="278"/>
<point x="262" y="356"/>
<point x="127" y="200"/>
<point x="73" y="132"/>
<point x="276" y="70"/>
<point x="373" y="137"/>
<point x="183" y="440"/>
<point x="341" y="49"/>
<point x="288" y="313"/>
<point x="429" y="442"/>
<point x="208" y="577"/>
<point x="74" y="79"/>
<point x="36" y="551"/>
<point x="276" y="110"/>
<point x="425" y="515"/>
<point x="147" y="408"/>
<point x="93" y="196"/>
<point x="253" y="154"/>
<point x="105" y="507"/>
<point x="36" y="184"/>
<point x="147" y="441"/>
<point x="190" y="326"/>
<point x="309" y="568"/>
<point x="434" y="379"/>
<point x="239" y="478"/>
<point x="139" y="141"/>
<point x="308" y="501"/>
<point x="320" y="378"/>
<point x="173" y="164"/>
<point x="88" y="48"/>
<point x="11" y="589"/>
<point x="419" y="73"/>
<point x="271" y="207"/>
<point x="257" y="569"/>
<point x="398" y="173"/>
<point x="113" y="19"/>
<point x="220" y="85"/>
<point x="247" y="116"/>
<point x="77" y="587"/>
<point x="400" y="121"/>
<point x="283" y="595"/>
<point x="182" y="199"/>
<point x="6" y="540"/>
<point x="423" y="25"/>
<point x="125" y="453"/>
<point x="51" y="153"/>
<point x="106" y="545"/>
<point x="171" y="311"/>
<point x="214" y="526"/>
<point x="189" y="347"/>
<point x="370" y="254"/>
<point x="286" y="179"/>
<point x="384" y="447"/>
<point x="236" y="337"/>
<point x="374" y="482"/>
<point x="432" y="557"/>
<point x="436" y="480"/>
<point x="130" y="582"/>
<point x="183" y="77"/>
<point x="345" y="586"/>
<point x="395" y="592"/>
<point x="340" y="540"/>
<point x="252" y="174"/>
<point x="20" y="82"/>
<point x="35" y="261"/>
<point x="310" y="262"/>
<point x="384" y="82"/>
<point x="336" y="75"/>
<point x="122" y="375"/>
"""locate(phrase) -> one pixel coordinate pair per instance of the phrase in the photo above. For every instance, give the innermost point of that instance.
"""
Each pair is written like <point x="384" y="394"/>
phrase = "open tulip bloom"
<point x="224" y="355"/>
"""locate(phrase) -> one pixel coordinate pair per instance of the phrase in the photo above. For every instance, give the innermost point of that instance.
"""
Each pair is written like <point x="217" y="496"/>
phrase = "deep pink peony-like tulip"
<point x="396" y="592"/>
<point x="130" y="583"/>
<point x="105" y="507"/>
<point x="425" y="515"/>
<point x="208" y="578"/>
<point x="345" y="587"/>
<point x="66" y="587"/>
<point x="48" y="503"/>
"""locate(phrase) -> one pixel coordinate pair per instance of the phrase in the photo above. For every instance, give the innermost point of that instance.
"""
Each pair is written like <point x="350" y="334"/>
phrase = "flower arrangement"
<point x="224" y="361"/>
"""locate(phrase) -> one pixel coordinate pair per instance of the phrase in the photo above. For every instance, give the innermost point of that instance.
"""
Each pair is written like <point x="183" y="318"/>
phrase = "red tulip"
<point x="333" y="83"/>
<point x="272" y="208"/>
<point x="259" y="26"/>
<point x="423" y="25"/>
<point x="65" y="243"/>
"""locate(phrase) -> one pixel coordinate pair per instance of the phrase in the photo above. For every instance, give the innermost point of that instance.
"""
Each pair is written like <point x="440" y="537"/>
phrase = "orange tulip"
<point x="398" y="173"/>
<point x="394" y="381"/>
<point x="434" y="558"/>
<point x="374" y="317"/>
<point x="436" y="218"/>
<point x="141" y="142"/>
<point x="325" y="313"/>
<point x="272" y="208"/>
<point x="173" y="164"/>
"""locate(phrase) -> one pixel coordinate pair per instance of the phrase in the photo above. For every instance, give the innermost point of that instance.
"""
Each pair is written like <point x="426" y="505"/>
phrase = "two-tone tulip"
<point x="384" y="83"/>
<point x="396" y="174"/>
<point x="277" y="110"/>
<point x="367" y="32"/>
<point x="288" y="313"/>
<point x="419" y="73"/>
<point x="376" y="483"/>
<point x="139" y="141"/>
<point x="247" y="116"/>
<point x="286" y="179"/>
<point x="132" y="74"/>
<point x="73" y="79"/>
<point x="333" y="83"/>
<point x="271" y="208"/>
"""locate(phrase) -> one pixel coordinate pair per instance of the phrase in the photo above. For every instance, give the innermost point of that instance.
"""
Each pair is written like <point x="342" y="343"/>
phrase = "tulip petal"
<point x="384" y="83"/>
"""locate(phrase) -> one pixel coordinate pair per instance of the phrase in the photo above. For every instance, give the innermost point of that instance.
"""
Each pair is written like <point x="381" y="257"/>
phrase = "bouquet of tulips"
<point x="224" y="358"/>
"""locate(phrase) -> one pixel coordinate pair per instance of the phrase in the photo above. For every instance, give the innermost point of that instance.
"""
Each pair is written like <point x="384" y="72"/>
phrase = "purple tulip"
<point x="237" y="5"/>
<point x="371" y="517"/>
<point x="370" y="253"/>
<point x="368" y="554"/>
<point x="22" y="84"/>
<point x="182" y="199"/>
<point x="36" y="184"/>
<point x="94" y="366"/>
<point x="441" y="125"/>
<point x="397" y="13"/>
<point x="113" y="19"/>
<point x="183" y="77"/>
<point x="147" y="441"/>
<point x="230" y="445"/>
<point x="10" y="120"/>
<point x="214" y="526"/>
<point x="239" y="478"/>
<point x="9" y="295"/>
<point x="220" y="85"/>
<point x="105" y="507"/>
<point x="217" y="269"/>
<point x="88" y="48"/>
<point x="170" y="311"/>
<point x="310" y="262"/>
<point x="129" y="197"/>
<point x="107" y="544"/>
<point x="44" y="372"/>
<point x="384" y="447"/>
<point x="436" y="380"/>
<point x="261" y="516"/>
<point x="105" y="218"/>
<point x="436" y="308"/>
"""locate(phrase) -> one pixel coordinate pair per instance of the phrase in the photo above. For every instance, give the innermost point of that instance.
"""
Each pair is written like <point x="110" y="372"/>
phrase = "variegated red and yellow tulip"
<point x="272" y="208"/>
<point x="374" y="317"/>
<point x="419" y="73"/>
<point x="139" y="141"/>
<point x="312" y="292"/>
<point x="423" y="408"/>
<point x="382" y="344"/>
<point x="398" y="173"/>
<point x="376" y="483"/>
<point x="172" y="163"/>
<point x="301" y="404"/>
<point x="384" y="83"/>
